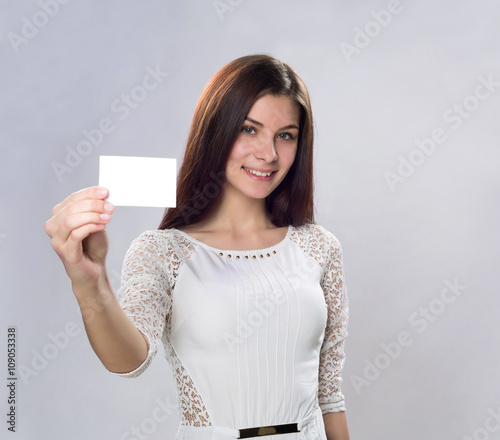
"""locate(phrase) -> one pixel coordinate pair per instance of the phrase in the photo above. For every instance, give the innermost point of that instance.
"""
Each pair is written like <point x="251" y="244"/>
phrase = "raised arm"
<point x="77" y="232"/>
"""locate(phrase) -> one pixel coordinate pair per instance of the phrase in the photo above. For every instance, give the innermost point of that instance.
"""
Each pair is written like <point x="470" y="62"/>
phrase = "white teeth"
<point x="257" y="173"/>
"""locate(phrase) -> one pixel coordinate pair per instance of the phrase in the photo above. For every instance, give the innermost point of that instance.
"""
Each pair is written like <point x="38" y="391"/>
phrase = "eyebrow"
<point x="262" y="125"/>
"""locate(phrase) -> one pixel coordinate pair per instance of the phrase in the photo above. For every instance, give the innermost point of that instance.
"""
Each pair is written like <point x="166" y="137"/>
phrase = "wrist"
<point x="98" y="290"/>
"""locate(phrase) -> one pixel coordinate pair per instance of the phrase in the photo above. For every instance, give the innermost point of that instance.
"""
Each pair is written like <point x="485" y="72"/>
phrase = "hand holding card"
<point x="139" y="181"/>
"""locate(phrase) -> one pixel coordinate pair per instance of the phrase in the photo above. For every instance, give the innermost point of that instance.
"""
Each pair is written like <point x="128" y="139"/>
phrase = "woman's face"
<point x="267" y="143"/>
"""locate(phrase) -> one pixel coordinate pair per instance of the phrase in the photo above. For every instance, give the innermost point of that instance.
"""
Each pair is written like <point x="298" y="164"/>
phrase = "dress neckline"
<point x="279" y="244"/>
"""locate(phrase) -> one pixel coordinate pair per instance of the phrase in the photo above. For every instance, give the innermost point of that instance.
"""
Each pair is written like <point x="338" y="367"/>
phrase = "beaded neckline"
<point x="248" y="254"/>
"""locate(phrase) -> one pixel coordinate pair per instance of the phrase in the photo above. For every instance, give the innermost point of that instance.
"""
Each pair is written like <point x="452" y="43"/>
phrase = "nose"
<point x="266" y="149"/>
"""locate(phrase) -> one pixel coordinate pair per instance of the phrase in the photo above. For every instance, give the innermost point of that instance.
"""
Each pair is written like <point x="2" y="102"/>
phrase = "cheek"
<point x="236" y="158"/>
<point x="240" y="150"/>
<point x="287" y="155"/>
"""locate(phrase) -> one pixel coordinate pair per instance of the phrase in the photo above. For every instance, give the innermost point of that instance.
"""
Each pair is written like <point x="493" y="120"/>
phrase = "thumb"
<point x="96" y="246"/>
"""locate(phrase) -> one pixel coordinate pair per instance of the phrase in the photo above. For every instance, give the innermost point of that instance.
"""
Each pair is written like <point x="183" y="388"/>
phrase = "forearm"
<point x="336" y="426"/>
<point x="114" y="338"/>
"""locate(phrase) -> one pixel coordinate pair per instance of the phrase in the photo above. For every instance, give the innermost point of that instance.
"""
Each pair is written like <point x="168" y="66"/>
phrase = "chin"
<point x="258" y="195"/>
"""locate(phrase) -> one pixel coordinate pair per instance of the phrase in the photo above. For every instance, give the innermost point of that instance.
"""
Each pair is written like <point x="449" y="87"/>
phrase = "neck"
<point x="238" y="214"/>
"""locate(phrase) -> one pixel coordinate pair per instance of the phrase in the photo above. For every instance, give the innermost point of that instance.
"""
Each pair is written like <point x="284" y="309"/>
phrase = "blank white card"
<point x="139" y="181"/>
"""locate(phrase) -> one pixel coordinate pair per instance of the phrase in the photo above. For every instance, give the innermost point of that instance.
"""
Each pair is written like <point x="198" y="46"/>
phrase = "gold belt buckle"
<point x="268" y="430"/>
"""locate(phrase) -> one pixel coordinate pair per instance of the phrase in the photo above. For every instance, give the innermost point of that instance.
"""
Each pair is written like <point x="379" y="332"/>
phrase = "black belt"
<point x="268" y="430"/>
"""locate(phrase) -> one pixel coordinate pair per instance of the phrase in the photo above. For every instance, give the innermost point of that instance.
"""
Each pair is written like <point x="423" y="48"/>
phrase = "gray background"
<point x="400" y="246"/>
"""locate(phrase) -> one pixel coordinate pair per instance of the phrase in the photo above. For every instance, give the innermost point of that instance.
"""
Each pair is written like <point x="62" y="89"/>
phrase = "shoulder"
<point x="315" y="234"/>
<point x="317" y="242"/>
<point x="159" y="236"/>
<point x="163" y="242"/>
<point x="150" y="238"/>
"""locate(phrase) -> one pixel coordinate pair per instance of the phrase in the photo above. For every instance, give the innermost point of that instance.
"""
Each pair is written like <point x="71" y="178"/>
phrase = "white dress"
<point x="254" y="338"/>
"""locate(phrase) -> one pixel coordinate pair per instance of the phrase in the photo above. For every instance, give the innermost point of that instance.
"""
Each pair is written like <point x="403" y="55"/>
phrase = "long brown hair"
<point x="217" y="121"/>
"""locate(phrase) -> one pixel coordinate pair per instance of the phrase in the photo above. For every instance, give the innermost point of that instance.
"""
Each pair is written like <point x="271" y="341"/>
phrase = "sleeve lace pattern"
<point x="323" y="246"/>
<point x="144" y="294"/>
<point x="150" y="270"/>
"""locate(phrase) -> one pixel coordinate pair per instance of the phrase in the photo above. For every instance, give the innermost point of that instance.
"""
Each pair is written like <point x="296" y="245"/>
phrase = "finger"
<point x="93" y="192"/>
<point x="76" y="221"/>
<point x="72" y="250"/>
<point x="59" y="227"/>
<point x="88" y="205"/>
<point x="70" y="222"/>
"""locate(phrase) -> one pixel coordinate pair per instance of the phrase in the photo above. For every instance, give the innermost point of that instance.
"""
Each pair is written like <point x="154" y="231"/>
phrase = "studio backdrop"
<point x="406" y="101"/>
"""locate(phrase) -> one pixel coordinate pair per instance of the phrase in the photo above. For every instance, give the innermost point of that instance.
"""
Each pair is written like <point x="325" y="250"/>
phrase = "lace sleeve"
<point x="332" y="354"/>
<point x="144" y="293"/>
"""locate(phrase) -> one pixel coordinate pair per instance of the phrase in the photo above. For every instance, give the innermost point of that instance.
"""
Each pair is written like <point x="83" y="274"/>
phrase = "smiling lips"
<point x="262" y="173"/>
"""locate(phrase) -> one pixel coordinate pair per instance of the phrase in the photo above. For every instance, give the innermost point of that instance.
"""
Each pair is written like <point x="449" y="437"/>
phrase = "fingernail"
<point x="105" y="216"/>
<point x="102" y="191"/>
<point x="109" y="207"/>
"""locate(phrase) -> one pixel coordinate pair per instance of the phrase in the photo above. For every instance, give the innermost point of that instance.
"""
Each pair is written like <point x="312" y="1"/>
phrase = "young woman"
<point x="243" y="289"/>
